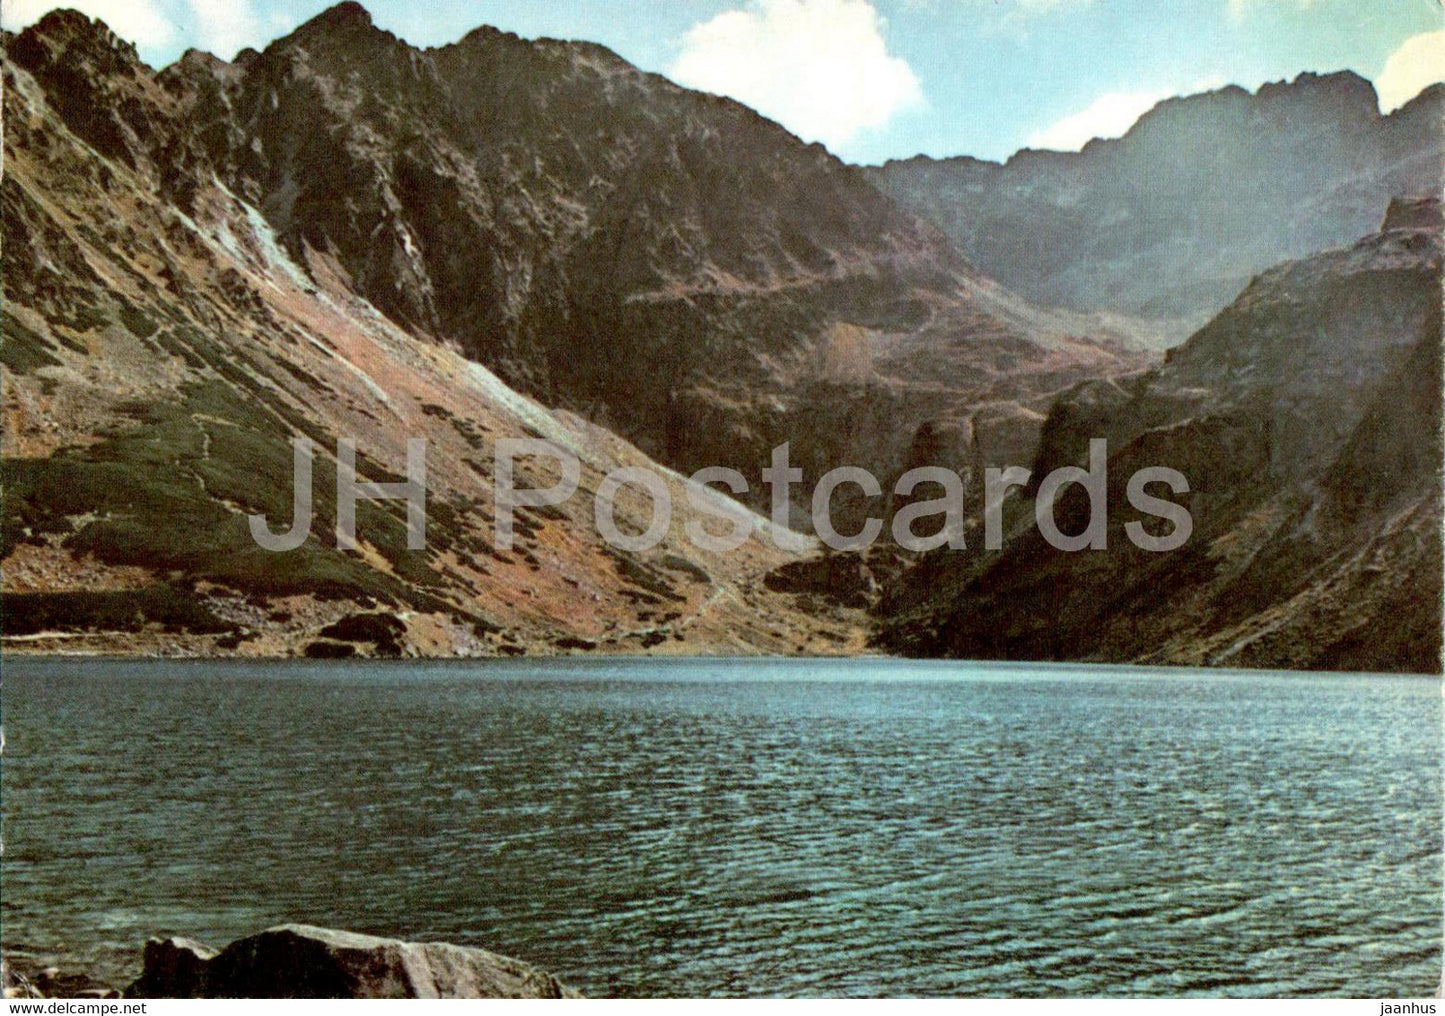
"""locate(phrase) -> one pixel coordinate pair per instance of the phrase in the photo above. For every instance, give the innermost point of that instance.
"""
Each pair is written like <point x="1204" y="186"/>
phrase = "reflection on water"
<point x="743" y="827"/>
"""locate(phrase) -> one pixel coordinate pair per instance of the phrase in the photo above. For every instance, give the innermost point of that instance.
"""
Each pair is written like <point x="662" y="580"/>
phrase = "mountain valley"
<point x="347" y="237"/>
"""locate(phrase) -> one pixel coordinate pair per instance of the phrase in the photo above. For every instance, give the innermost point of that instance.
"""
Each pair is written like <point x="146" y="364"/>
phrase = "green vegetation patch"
<point x="171" y="493"/>
<point x="23" y="351"/>
<point x="128" y="610"/>
<point x="137" y="322"/>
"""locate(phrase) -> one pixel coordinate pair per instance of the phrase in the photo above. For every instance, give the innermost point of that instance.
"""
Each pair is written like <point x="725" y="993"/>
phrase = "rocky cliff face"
<point x="666" y="263"/>
<point x="1170" y="221"/>
<point x="1306" y="418"/>
<point x="164" y="343"/>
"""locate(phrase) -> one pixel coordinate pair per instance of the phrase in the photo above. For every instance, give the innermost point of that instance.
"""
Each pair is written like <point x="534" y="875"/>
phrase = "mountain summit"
<point x="1172" y="219"/>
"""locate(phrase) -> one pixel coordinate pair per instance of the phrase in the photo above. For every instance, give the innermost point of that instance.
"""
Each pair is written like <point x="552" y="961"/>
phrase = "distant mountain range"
<point x="1170" y="221"/>
<point x="346" y="236"/>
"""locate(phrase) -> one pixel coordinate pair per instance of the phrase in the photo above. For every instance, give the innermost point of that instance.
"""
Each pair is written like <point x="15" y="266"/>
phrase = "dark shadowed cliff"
<point x="1306" y="418"/>
<point x="164" y="342"/>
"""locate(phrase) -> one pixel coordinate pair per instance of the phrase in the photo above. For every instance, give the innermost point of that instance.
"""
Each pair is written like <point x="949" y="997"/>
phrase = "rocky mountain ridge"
<point x="346" y="236"/>
<point x="303" y="961"/>
<point x="529" y="203"/>
<point x="162" y="348"/>
<point x="1171" y="220"/>
<point x="1306" y="418"/>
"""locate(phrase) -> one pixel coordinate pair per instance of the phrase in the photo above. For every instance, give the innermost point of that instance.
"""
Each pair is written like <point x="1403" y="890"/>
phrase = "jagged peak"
<point x="201" y="58"/>
<point x="1337" y="87"/>
<point x="1345" y="85"/>
<point x="484" y="34"/>
<point x="1357" y="91"/>
<point x="487" y="35"/>
<point x="346" y="22"/>
<point x="65" y="21"/>
<point x="67" y="27"/>
<point x="196" y="65"/>
<point x="924" y="160"/>
<point x="68" y="39"/>
<point x="347" y="14"/>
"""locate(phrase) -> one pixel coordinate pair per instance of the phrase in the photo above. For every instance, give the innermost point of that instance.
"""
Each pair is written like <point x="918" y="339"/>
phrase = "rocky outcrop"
<point x="298" y="961"/>
<point x="1306" y="419"/>
<point x="16" y="985"/>
<point x="1171" y="220"/>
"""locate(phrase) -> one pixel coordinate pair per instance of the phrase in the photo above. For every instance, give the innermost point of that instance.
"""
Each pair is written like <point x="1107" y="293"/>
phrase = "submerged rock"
<point x="298" y="961"/>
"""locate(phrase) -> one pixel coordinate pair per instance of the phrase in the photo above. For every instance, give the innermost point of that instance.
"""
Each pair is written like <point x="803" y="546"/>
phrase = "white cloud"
<point x="143" y="22"/>
<point x="1004" y="6"/>
<point x="224" y="27"/>
<point x="819" y="67"/>
<point x="1239" y="8"/>
<point x="1418" y="63"/>
<point x="1109" y="116"/>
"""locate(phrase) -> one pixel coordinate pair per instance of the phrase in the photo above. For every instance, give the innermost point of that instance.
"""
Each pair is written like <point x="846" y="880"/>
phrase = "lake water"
<point x="743" y="827"/>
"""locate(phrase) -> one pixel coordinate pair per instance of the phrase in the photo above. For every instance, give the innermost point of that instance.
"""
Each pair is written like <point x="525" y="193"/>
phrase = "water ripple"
<point x="718" y="828"/>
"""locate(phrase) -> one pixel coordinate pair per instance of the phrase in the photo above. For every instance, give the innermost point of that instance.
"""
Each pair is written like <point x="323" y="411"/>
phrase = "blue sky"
<point x="875" y="79"/>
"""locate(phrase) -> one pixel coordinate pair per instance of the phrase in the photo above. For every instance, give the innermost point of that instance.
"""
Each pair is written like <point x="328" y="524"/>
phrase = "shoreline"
<point x="621" y="655"/>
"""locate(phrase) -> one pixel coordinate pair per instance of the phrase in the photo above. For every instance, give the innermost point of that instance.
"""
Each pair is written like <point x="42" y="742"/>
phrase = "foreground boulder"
<point x="297" y="961"/>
